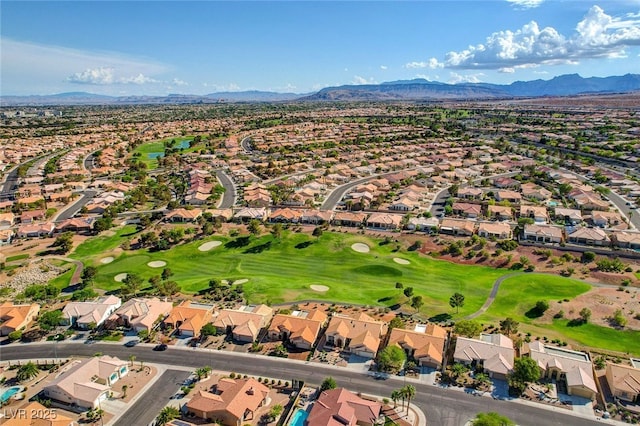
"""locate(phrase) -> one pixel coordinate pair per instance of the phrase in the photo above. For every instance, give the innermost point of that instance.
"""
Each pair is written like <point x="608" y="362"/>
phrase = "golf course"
<point x="348" y="268"/>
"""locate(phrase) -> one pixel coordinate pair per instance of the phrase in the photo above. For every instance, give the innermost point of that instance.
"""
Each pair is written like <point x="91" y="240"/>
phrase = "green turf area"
<point x="17" y="257"/>
<point x="282" y="270"/>
<point x="519" y="294"/>
<point x="63" y="280"/>
<point x="148" y="150"/>
<point x="96" y="246"/>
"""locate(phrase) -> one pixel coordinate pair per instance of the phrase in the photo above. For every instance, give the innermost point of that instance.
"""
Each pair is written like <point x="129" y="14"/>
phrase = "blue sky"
<point x="155" y="48"/>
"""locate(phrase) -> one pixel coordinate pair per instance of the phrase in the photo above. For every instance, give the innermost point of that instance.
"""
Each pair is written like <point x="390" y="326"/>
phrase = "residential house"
<point x="499" y="230"/>
<point x="572" y="369"/>
<point x="31" y="216"/>
<point x="589" y="236"/>
<point x="183" y="215"/>
<point x="571" y="216"/>
<point x="339" y="407"/>
<point x="386" y="221"/>
<point x="606" y="219"/>
<point x="470" y="193"/>
<point x="499" y="212"/>
<point x="285" y="215"/>
<point x="16" y="317"/>
<point x="506" y="182"/>
<point x="493" y="353"/>
<point x="532" y="191"/>
<point x="300" y="328"/>
<point x="625" y="239"/>
<point x="141" y="313"/>
<point x="346" y="218"/>
<point x="6" y="235"/>
<point x="510" y="196"/>
<point x="426" y="224"/>
<point x="87" y="382"/>
<point x="425" y="343"/>
<point x="247" y="214"/>
<point x="234" y="402"/>
<point x="624" y="381"/>
<point x="83" y="314"/>
<point x="7" y="220"/>
<point x="360" y="335"/>
<point x="35" y="230"/>
<point x="543" y="233"/>
<point x="189" y="317"/>
<point x="244" y="323"/>
<point x="76" y="225"/>
<point x="316" y="217"/>
<point x="459" y="227"/>
<point x="36" y="414"/>
<point x="472" y="211"/>
<point x="588" y="201"/>
<point x="537" y="213"/>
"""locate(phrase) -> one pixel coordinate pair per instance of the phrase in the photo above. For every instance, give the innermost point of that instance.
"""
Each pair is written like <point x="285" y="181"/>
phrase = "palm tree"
<point x="166" y="415"/>
<point x="395" y="396"/>
<point x="132" y="358"/>
<point x="27" y="372"/>
<point x="409" y="392"/>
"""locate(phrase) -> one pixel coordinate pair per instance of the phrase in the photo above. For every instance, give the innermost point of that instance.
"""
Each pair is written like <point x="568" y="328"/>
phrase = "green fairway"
<point x="93" y="247"/>
<point x="282" y="270"/>
<point x="596" y="336"/>
<point x="149" y="151"/>
<point x="62" y="280"/>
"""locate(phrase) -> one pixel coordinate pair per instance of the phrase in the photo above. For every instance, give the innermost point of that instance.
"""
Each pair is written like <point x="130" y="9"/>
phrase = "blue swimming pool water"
<point x="8" y="393"/>
<point x="298" y="417"/>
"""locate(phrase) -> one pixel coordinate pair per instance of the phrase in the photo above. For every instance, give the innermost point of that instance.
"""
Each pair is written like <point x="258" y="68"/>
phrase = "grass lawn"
<point x="17" y="257"/>
<point x="282" y="270"/>
<point x="148" y="150"/>
<point x="62" y="280"/>
<point x="517" y="295"/>
<point x="93" y="247"/>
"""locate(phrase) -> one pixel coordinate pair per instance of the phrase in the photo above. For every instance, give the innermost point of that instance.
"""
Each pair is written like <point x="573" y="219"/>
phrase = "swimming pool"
<point x="8" y="393"/>
<point x="298" y="417"/>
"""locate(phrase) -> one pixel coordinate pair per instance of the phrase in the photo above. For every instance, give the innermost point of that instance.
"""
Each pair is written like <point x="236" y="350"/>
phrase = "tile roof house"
<point x="589" y="236"/>
<point x="141" y="314"/>
<point x="543" y="233"/>
<point x="624" y="381"/>
<point x="572" y="367"/>
<point x="339" y="407"/>
<point x="360" y="335"/>
<point x="535" y="192"/>
<point x="300" y="328"/>
<point x="342" y="218"/>
<point x="33" y="230"/>
<point x="285" y="215"/>
<point x="424" y="344"/>
<point x="16" y="317"/>
<point x="316" y="217"/>
<point x="470" y="193"/>
<point x="36" y="414"/>
<point x="467" y="210"/>
<point x="87" y="382"/>
<point x="537" y="213"/>
<point x="457" y="227"/>
<point x="188" y="318"/>
<point x="183" y="215"/>
<point x="500" y="212"/>
<point x="234" y="402"/>
<point x="423" y="223"/>
<point x="493" y="352"/>
<point x="572" y="216"/>
<point x="498" y="230"/>
<point x="247" y="214"/>
<point x="506" y="195"/>
<point x="83" y="314"/>
<point x="384" y="221"/>
<point x="244" y="323"/>
<point x="623" y="239"/>
<point x="7" y="220"/>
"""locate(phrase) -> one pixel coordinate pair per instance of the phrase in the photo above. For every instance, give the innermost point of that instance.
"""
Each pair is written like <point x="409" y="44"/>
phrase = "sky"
<point x="158" y="48"/>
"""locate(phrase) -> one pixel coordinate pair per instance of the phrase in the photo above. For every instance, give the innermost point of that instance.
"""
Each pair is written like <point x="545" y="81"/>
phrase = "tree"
<point x="202" y="372"/>
<point x="64" y="241"/>
<point x="27" y="372"/>
<point x="619" y="318"/>
<point x="509" y="326"/>
<point x="491" y="419"/>
<point x="328" y="383"/>
<point x="391" y="359"/>
<point x="542" y="306"/>
<point x="88" y="274"/>
<point x="525" y="371"/>
<point x="254" y="227"/>
<point x="409" y="391"/>
<point x="276" y="231"/>
<point x="396" y="322"/>
<point x="49" y="320"/>
<point x="275" y="411"/>
<point x="95" y="414"/>
<point x="396" y="394"/>
<point x="317" y="232"/>
<point x="124" y="390"/>
<point x="456" y="301"/>
<point x="408" y="291"/>
<point x="208" y="330"/>
<point x="588" y="257"/>
<point x="167" y="414"/>
<point x="417" y="302"/>
<point x="467" y="328"/>
<point x="585" y="315"/>
<point x="132" y="283"/>
<point x="166" y="274"/>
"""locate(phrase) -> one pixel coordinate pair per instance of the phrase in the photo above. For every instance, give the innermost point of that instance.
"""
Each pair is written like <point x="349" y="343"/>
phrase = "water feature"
<point x="9" y="392"/>
<point x="298" y="417"/>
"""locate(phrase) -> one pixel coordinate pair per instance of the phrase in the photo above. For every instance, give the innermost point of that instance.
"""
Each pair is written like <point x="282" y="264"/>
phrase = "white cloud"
<point x="101" y="75"/>
<point x="455" y="78"/>
<point x="178" y="82"/>
<point x="383" y="67"/>
<point x="598" y="35"/>
<point x="432" y="63"/>
<point x="526" y="4"/>
<point x="359" y="80"/>
<point x="138" y="79"/>
<point x="507" y="70"/>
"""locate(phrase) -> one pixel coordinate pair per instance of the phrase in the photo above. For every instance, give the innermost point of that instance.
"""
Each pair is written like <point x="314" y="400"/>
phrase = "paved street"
<point x="74" y="208"/>
<point x="229" y="196"/>
<point x="443" y="407"/>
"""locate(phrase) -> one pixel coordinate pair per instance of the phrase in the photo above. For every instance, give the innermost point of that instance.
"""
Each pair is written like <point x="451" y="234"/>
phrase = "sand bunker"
<point x="106" y="260"/>
<point x="157" y="264"/>
<point x="401" y="261"/>
<point x="360" y="248"/>
<point x="120" y="277"/>
<point x="320" y="288"/>
<point x="241" y="281"/>
<point x="208" y="246"/>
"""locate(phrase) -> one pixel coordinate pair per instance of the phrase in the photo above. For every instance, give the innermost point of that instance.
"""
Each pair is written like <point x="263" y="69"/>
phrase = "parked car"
<point x="132" y="343"/>
<point x="160" y="347"/>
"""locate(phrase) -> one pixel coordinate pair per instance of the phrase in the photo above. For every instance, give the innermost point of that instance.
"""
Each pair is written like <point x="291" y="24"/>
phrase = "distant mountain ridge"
<point x="417" y="89"/>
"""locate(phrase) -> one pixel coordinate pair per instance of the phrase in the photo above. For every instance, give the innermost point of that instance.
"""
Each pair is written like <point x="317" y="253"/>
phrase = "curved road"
<point x="442" y="407"/>
<point x="228" y="199"/>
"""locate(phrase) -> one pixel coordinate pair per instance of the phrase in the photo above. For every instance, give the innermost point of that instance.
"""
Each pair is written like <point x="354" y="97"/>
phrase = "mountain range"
<point x="417" y="89"/>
